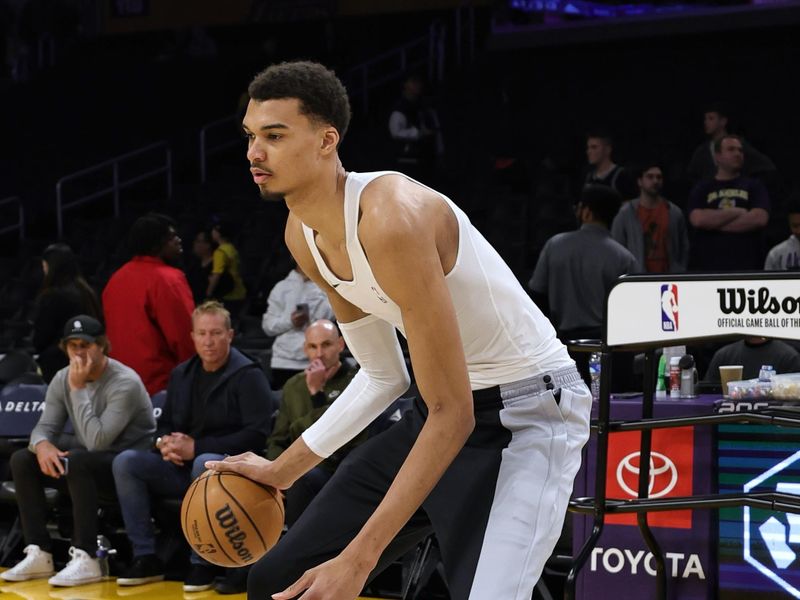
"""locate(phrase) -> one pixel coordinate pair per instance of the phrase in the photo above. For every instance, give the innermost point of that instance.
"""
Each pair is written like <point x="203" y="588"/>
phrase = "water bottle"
<point x="767" y="373"/>
<point x="104" y="550"/>
<point x="594" y="374"/>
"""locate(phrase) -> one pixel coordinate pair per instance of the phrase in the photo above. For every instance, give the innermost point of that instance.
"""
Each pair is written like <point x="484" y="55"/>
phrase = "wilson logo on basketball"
<point x="230" y="524"/>
<point x="231" y="520"/>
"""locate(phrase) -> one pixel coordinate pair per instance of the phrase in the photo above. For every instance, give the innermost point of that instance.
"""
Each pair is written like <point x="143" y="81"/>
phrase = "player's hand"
<point x="79" y="369"/>
<point x="47" y="455"/>
<point x="336" y="579"/>
<point x="250" y="465"/>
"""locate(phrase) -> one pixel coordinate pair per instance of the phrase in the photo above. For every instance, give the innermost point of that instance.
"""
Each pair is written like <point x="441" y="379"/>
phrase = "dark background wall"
<point x="109" y="94"/>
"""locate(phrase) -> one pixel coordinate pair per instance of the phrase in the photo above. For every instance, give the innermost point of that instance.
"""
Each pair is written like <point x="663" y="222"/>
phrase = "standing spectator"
<point x="575" y="272"/>
<point x="199" y="269"/>
<point x="293" y="303"/>
<point x="602" y="169"/>
<point x="148" y="304"/>
<point x="652" y="227"/>
<point x="64" y="293"/>
<point x="416" y="132"/>
<point x="226" y="271"/>
<point x="218" y="403"/>
<point x="306" y="397"/>
<point x="110" y="411"/>
<point x="786" y="255"/>
<point x="703" y="162"/>
<point x="576" y="269"/>
<point x="729" y="213"/>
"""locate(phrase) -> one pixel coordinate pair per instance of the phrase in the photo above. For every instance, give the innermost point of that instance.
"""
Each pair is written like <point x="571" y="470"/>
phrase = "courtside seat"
<point x="21" y="404"/>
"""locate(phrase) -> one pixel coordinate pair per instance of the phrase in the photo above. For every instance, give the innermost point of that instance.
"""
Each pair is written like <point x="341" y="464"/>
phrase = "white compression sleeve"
<point x="382" y="379"/>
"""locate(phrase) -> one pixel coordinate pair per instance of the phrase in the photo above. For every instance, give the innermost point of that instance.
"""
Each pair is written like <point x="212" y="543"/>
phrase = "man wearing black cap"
<point x="110" y="411"/>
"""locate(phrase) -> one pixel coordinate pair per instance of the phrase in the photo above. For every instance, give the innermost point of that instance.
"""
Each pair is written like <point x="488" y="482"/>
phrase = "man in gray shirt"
<point x="110" y="411"/>
<point x="576" y="269"/>
<point x="575" y="272"/>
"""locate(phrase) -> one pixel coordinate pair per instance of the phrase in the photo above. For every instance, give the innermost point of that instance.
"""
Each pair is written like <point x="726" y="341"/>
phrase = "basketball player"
<point x="487" y="456"/>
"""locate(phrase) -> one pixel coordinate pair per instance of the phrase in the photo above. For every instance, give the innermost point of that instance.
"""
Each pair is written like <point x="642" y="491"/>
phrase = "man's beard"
<point x="270" y="196"/>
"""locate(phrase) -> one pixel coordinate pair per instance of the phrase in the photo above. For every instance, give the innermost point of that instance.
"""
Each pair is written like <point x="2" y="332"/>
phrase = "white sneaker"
<point x="36" y="565"/>
<point x="81" y="569"/>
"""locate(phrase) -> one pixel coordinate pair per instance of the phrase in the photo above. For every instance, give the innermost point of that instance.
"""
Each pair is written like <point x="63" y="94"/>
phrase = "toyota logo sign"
<point x="671" y="473"/>
<point x="663" y="474"/>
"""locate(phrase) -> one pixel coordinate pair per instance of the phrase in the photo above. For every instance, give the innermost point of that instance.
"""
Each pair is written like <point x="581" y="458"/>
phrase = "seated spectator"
<point x="198" y="270"/>
<point x="575" y="272"/>
<point x="64" y="293"/>
<point x="752" y="353"/>
<point x="729" y="213"/>
<point x="225" y="282"/>
<point x="703" y="163"/>
<point x="293" y="303"/>
<point x="652" y="227"/>
<point x="148" y="304"/>
<point x="110" y="411"/>
<point x="602" y="169"/>
<point x="306" y="397"/>
<point x="218" y="403"/>
<point x="786" y="255"/>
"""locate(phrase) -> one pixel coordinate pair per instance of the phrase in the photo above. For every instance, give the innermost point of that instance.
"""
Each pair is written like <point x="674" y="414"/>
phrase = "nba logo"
<point x="669" y="307"/>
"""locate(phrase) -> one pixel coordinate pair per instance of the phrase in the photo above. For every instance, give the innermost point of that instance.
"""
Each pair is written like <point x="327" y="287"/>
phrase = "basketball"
<point x="230" y="520"/>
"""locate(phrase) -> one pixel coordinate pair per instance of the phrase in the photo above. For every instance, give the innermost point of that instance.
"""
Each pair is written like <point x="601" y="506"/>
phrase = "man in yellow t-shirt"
<point x="225" y="282"/>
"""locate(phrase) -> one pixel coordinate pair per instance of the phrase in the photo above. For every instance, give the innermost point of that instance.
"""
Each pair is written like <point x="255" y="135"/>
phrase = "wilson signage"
<point x="647" y="309"/>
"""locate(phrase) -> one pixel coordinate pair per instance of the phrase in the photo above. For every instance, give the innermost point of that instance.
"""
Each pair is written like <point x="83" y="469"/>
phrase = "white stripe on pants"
<point x="533" y="489"/>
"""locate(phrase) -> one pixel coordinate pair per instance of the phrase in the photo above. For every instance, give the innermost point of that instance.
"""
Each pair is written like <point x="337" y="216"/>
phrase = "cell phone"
<point x="64" y="461"/>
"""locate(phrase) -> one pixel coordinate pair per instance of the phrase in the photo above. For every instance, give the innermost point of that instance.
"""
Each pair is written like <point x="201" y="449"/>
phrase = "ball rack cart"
<point x="646" y="312"/>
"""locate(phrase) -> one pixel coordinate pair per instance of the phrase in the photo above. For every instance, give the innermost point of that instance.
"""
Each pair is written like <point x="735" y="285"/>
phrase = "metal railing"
<point x="118" y="183"/>
<point x="208" y="148"/>
<point x="425" y="51"/>
<point x="20" y="224"/>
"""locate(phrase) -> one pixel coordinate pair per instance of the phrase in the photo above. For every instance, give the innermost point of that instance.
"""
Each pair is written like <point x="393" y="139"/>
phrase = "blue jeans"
<point x="141" y="475"/>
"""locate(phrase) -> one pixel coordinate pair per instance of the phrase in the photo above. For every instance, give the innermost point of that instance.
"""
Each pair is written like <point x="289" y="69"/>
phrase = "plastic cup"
<point x="729" y="373"/>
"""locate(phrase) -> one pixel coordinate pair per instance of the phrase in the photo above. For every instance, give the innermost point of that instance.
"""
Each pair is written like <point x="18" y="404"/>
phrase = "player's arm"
<point x="298" y="458"/>
<point x="405" y="247"/>
<point x="404" y="240"/>
<point x="382" y="378"/>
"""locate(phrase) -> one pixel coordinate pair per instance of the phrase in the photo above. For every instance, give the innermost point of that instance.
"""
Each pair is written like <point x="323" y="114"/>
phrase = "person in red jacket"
<point x="148" y="304"/>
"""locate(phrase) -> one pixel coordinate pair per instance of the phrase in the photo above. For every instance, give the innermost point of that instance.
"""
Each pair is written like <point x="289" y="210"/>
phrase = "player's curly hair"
<point x="322" y="95"/>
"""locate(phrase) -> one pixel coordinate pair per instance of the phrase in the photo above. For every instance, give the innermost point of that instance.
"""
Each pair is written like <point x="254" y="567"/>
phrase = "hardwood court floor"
<point x="107" y="590"/>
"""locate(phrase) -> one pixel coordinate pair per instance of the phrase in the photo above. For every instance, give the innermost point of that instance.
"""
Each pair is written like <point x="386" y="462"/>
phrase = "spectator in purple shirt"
<point x="729" y="213"/>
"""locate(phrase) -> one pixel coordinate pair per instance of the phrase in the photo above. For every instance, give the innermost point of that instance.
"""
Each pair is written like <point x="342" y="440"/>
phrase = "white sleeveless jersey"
<point x="506" y="337"/>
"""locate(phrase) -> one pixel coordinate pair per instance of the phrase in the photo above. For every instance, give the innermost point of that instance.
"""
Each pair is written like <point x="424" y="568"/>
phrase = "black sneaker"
<point x="235" y="581"/>
<point x="200" y="578"/>
<point x="145" y="569"/>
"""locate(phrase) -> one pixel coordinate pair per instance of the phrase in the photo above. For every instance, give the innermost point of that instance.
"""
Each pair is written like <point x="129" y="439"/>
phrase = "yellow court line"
<point x="39" y="589"/>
